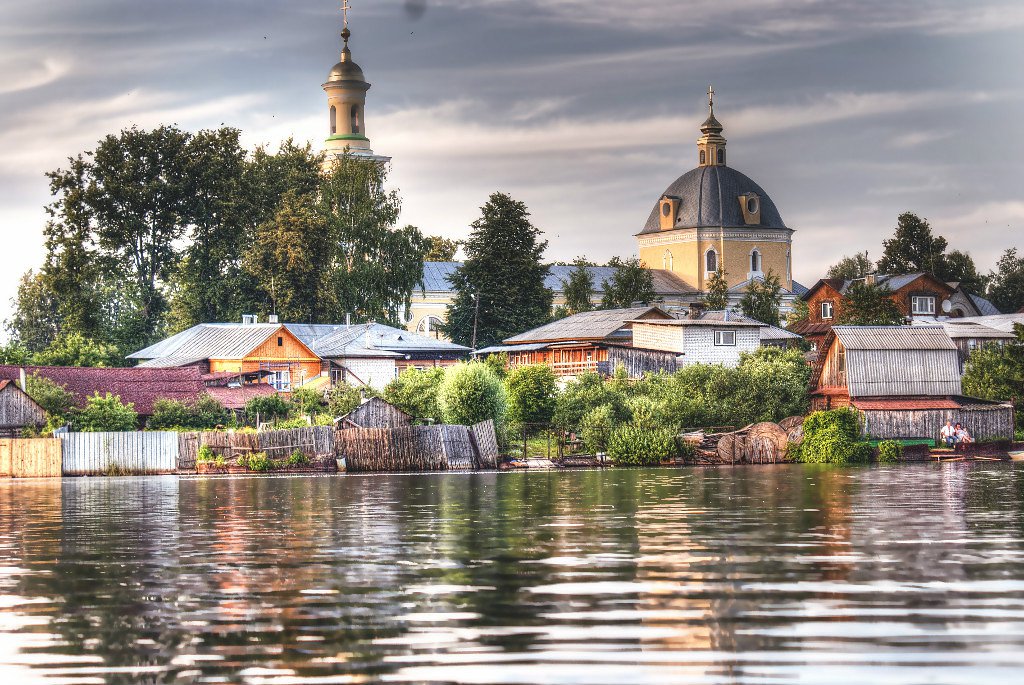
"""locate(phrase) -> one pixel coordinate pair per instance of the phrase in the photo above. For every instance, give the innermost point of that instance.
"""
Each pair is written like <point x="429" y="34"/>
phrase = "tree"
<point x="578" y="289"/>
<point x="631" y="283"/>
<point x="870" y="305"/>
<point x="441" y="249"/>
<point x="800" y="312"/>
<point x="206" y="413"/>
<point x="499" y="289"/>
<point x="997" y="373"/>
<point x="532" y="391"/>
<point x="717" y="296"/>
<point x="75" y="350"/>
<point x="415" y="392"/>
<point x="14" y="353"/>
<point x="959" y="267"/>
<point x="54" y="398"/>
<point x="36" y="320"/>
<point x="913" y="248"/>
<point x="342" y="399"/>
<point x="1006" y="283"/>
<point x="471" y="393"/>
<point x="852" y="268"/>
<point x="265" y="408"/>
<point x="762" y="299"/>
<point x="106" y="413"/>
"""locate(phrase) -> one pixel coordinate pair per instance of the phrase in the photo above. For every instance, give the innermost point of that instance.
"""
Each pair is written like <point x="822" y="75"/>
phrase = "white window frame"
<point x="917" y="300"/>
<point x="281" y="381"/>
<point x="722" y="336"/>
<point x="831" y="310"/>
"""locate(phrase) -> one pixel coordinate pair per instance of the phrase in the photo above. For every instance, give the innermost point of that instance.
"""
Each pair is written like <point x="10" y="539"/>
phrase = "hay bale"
<point x="765" y="443"/>
<point x="728" y="450"/>
<point x="791" y="422"/>
<point x="796" y="434"/>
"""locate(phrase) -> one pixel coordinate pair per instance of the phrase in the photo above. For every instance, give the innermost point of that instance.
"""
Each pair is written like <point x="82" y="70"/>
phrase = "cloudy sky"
<point x="846" y="113"/>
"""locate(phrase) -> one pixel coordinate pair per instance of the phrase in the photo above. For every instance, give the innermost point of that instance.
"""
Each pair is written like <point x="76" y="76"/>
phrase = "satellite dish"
<point x="947" y="306"/>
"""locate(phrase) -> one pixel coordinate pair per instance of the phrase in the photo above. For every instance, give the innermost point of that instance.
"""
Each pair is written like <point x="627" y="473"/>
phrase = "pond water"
<point x="750" y="575"/>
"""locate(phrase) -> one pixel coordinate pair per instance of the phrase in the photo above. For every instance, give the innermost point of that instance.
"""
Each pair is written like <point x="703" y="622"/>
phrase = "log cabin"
<point x="18" y="411"/>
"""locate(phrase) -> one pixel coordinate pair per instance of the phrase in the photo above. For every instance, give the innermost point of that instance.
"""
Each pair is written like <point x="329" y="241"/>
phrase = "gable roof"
<point x="893" y="338"/>
<point x="984" y="307"/>
<point x="1001" y="322"/>
<point x="436" y="277"/>
<point x="589" y="326"/>
<point x="369" y="340"/>
<point x="959" y="328"/>
<point x="140" y="386"/>
<point x="892" y="283"/>
<point x="768" y="332"/>
<point x="17" y="408"/>
<point x="207" y="341"/>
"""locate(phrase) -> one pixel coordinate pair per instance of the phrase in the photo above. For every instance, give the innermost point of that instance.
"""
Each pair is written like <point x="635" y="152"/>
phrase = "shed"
<point x="376" y="413"/>
<point x="17" y="410"/>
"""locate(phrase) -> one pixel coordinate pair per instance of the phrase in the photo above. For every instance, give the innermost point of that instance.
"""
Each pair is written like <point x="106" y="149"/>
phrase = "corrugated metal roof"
<point x="958" y="328"/>
<point x="596" y="325"/>
<point x="984" y="306"/>
<point x="436" y="278"/>
<point x="768" y="332"/>
<point x="893" y="338"/>
<point x="711" y="323"/>
<point x="1001" y="322"/>
<point x="377" y="340"/>
<point x="207" y="341"/>
<point x="494" y="349"/>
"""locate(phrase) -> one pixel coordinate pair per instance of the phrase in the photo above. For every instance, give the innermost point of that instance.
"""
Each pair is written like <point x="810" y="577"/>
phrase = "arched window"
<point x="755" y="261"/>
<point x="666" y="260"/>
<point x="711" y="261"/>
<point x="721" y="156"/>
<point x="334" y="120"/>
<point x="355" y="119"/>
<point x="703" y="157"/>
<point x="430" y="326"/>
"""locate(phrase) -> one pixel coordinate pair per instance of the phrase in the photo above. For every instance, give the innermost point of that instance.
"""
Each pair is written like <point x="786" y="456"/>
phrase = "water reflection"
<point x="707" y="575"/>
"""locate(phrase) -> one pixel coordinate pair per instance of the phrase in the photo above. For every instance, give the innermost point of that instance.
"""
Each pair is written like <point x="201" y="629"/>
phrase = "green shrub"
<point x="586" y="392"/>
<point x="106" y="413"/>
<point x="890" y="451"/>
<point x="297" y="459"/>
<point x="203" y="414"/>
<point x="647" y="413"/>
<point x="54" y="398"/>
<point x="532" y="391"/>
<point x="498" y="363"/>
<point x="636" y="446"/>
<point x="256" y="461"/>
<point x="834" y="437"/>
<point x="205" y="455"/>
<point x="415" y="392"/>
<point x="596" y="428"/>
<point x="307" y="401"/>
<point x="266" y="408"/>
<point x="342" y="399"/>
<point x="292" y="423"/>
<point x="471" y="393"/>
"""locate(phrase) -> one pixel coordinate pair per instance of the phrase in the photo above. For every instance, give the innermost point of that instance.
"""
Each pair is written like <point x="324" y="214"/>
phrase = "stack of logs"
<point x="758" y="443"/>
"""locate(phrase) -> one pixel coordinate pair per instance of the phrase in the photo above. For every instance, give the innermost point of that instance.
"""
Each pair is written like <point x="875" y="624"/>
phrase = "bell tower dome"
<point x="346" y="102"/>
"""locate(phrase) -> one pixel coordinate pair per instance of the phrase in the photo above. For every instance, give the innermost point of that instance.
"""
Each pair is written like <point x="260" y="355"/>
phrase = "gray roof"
<point x="373" y="339"/>
<point x="709" y="197"/>
<point x="494" y="349"/>
<point x="436" y="278"/>
<point x="597" y="325"/>
<point x="799" y="289"/>
<point x="899" y="361"/>
<point x="206" y="341"/>
<point x="742" y="286"/>
<point x="985" y="307"/>
<point x="1001" y="322"/>
<point x="768" y="332"/>
<point x="959" y="328"/>
<point x="710" y="323"/>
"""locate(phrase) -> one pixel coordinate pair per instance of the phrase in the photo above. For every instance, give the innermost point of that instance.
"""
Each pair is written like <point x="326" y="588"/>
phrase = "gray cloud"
<point x="847" y="113"/>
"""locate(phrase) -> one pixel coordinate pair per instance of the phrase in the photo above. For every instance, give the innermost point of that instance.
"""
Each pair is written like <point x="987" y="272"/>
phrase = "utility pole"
<point x="476" y="316"/>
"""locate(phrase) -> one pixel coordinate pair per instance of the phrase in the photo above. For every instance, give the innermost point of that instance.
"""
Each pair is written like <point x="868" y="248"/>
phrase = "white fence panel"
<point x="86" y="454"/>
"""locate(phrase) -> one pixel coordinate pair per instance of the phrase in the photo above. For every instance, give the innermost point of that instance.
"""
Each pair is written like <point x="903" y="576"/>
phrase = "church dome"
<point x="710" y="196"/>
<point x="346" y="70"/>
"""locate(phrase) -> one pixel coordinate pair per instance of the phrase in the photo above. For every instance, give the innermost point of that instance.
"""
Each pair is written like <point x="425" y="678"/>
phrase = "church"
<point x="711" y="218"/>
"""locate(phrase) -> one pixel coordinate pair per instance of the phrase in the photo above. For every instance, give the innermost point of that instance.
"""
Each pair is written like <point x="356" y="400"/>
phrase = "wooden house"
<point x="590" y="341"/>
<point x="18" y="411"/>
<point x="375" y="413"/>
<point x="905" y="382"/>
<point x="699" y="341"/>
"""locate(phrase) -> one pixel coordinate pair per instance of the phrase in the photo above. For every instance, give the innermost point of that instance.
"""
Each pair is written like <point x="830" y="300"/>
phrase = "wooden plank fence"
<point x="982" y="421"/>
<point x="418" y="448"/>
<point x="314" y="442"/>
<point x="36" y="458"/>
<point x="486" y="439"/>
<point x="90" y="454"/>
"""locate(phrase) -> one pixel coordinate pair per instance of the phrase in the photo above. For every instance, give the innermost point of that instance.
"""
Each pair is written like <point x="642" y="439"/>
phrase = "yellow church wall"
<point x="773" y="256"/>
<point x="684" y="260"/>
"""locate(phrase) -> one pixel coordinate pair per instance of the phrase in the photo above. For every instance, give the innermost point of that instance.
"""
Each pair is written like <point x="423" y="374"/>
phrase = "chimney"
<point x="22" y="379"/>
<point x="871" y="279"/>
<point x="725" y="315"/>
<point x="272" y="319"/>
<point x="348" y="319"/>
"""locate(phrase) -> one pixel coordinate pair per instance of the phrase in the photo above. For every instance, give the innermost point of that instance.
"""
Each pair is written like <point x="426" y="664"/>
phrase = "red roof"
<point x="832" y="390"/>
<point x="235" y="398"/>
<point x="905" y="403"/>
<point x="808" y="327"/>
<point x="141" y="387"/>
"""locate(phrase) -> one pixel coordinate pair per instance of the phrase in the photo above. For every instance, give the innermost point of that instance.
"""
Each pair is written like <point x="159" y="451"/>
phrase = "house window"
<point x="666" y="208"/>
<point x="280" y="341"/>
<point x="281" y="380"/>
<point x="711" y="261"/>
<point x="826" y="310"/>
<point x="725" y="338"/>
<point x="923" y="305"/>
<point x="666" y="260"/>
<point x="755" y="261"/>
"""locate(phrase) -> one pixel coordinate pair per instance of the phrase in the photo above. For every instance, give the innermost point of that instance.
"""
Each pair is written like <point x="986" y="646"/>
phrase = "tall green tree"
<point x="441" y="249"/>
<point x="499" y="289"/>
<point x="959" y="267"/>
<point x="36" y="320"/>
<point x="578" y="289"/>
<point x="717" y="296"/>
<point x="630" y="283"/>
<point x="850" y="268"/>
<point x="997" y="373"/>
<point x="762" y="299"/>
<point x="1006" y="283"/>
<point x="870" y="305"/>
<point x="913" y="248"/>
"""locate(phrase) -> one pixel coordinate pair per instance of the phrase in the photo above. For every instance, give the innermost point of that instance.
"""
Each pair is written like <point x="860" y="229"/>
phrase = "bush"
<point x="596" y="428"/>
<point x="647" y="413"/>
<point x="297" y="459"/>
<point x="292" y="423"/>
<point x="205" y="413"/>
<point x="586" y="392"/>
<point x="266" y="408"/>
<point x="471" y="393"/>
<point x="307" y="401"/>
<point x="635" y="446"/>
<point x="833" y="437"/>
<point x="256" y="461"/>
<point x="890" y="451"/>
<point x="342" y="399"/>
<point x="532" y="392"/>
<point x="54" y="398"/>
<point x="415" y="392"/>
<point x="205" y="455"/>
<point x="106" y="413"/>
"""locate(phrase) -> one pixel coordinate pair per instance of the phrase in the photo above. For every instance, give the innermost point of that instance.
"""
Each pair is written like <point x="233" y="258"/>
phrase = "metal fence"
<point x="86" y="454"/>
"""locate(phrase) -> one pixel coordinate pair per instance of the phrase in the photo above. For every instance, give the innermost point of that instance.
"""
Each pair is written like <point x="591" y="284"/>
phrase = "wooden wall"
<point x="36" y="458"/>
<point x="18" y="410"/>
<point x="376" y="413"/>
<point x="983" y="422"/>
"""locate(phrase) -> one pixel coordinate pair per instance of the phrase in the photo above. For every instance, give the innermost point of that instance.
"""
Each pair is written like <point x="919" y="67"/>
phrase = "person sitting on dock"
<point x="948" y="434"/>
<point x="963" y="437"/>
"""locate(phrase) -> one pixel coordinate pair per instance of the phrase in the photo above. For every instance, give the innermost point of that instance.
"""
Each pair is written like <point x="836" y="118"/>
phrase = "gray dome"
<point x="709" y="197"/>
<point x="346" y="71"/>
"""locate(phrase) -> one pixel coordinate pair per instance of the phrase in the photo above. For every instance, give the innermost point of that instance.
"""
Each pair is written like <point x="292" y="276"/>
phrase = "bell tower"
<point x="711" y="144"/>
<point x="346" y="102"/>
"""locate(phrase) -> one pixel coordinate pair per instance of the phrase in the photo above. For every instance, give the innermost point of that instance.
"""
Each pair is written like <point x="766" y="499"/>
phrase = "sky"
<point x="845" y="113"/>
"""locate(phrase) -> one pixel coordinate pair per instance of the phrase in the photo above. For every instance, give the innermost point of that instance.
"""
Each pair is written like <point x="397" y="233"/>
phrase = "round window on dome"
<point x="752" y="204"/>
<point x="666" y="208"/>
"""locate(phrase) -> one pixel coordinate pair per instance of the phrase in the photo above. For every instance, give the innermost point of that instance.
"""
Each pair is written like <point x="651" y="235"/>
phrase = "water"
<point x="771" y="574"/>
